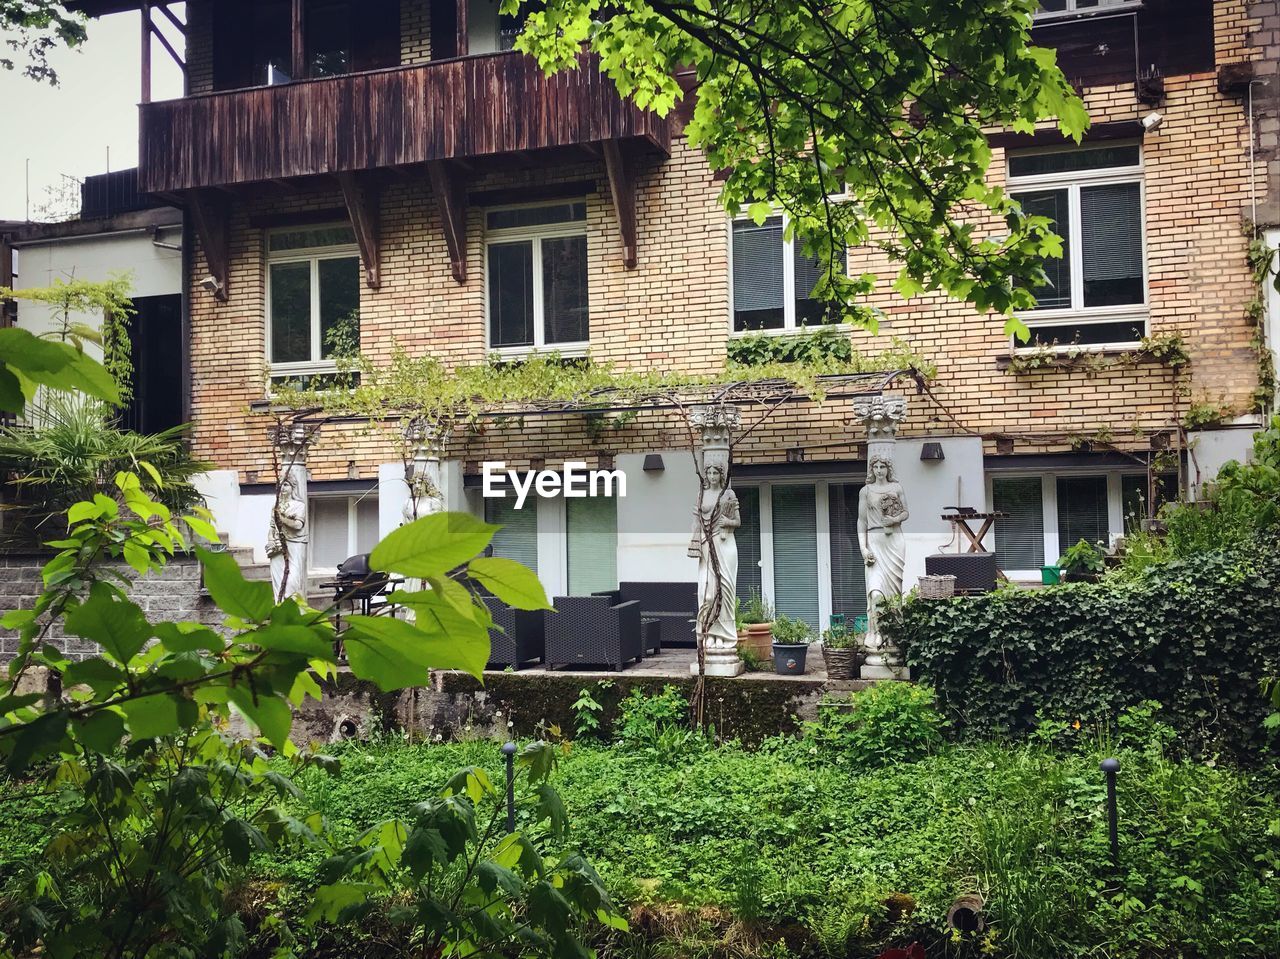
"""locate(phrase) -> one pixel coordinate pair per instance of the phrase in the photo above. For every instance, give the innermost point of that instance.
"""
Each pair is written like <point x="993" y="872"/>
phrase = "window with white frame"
<point x="536" y="273"/>
<point x="313" y="298"/>
<point x="1057" y="8"/>
<point x="1048" y="513"/>
<point x="1096" y="294"/>
<point x="773" y="279"/>
<point x="341" y="526"/>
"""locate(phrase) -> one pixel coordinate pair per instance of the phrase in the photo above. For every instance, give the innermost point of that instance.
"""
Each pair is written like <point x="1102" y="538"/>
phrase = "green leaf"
<point x="395" y="654"/>
<point x="97" y="673"/>
<point x="188" y="637"/>
<point x="35" y="739"/>
<point x="328" y="901"/>
<point x="235" y="595"/>
<point x="242" y="840"/>
<point x="512" y="582"/>
<point x="455" y="594"/>
<point x="432" y="545"/>
<point x="101" y="732"/>
<point x="50" y="363"/>
<point x="313" y="643"/>
<point x="117" y="625"/>
<point x="152" y="716"/>
<point x="269" y="713"/>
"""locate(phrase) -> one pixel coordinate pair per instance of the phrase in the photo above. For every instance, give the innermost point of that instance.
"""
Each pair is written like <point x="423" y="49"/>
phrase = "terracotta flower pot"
<point x="758" y="637"/>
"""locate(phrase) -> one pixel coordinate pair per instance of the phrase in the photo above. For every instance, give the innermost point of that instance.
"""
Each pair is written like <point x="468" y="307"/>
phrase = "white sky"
<point x="69" y="128"/>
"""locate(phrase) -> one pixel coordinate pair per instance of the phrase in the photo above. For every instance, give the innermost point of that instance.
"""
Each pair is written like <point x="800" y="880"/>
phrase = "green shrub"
<point x="888" y="723"/>
<point x="788" y="630"/>
<point x="1199" y="636"/>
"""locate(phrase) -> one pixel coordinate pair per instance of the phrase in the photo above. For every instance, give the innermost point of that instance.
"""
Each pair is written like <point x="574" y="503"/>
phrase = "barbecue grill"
<point x="359" y="585"/>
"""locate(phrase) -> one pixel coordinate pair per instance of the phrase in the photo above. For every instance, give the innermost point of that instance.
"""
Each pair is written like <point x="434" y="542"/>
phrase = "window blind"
<point x="1111" y="243"/>
<point x="758" y="272"/>
<point x="518" y="538"/>
<point x="795" y="552"/>
<point x="848" y="570"/>
<point x="1055" y="204"/>
<point x="592" y="527"/>
<point x="1082" y="510"/>
<point x="327" y="517"/>
<point x="1020" y="536"/>
<point x="808" y="270"/>
<point x="748" y="539"/>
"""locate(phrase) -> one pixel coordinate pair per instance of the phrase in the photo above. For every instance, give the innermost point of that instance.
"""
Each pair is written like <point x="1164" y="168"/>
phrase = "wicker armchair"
<point x="593" y="631"/>
<point x="523" y="636"/>
<point x="674" y="605"/>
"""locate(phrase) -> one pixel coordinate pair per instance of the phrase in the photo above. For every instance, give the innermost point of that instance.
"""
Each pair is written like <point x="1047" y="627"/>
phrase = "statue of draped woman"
<point x="714" y="546"/>
<point x="287" y="537"/>
<point x="882" y="509"/>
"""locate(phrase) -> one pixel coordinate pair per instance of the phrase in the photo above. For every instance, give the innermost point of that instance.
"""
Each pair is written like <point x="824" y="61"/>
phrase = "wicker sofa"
<point x="522" y="639"/>
<point x="593" y="631"/>
<point x="674" y="605"/>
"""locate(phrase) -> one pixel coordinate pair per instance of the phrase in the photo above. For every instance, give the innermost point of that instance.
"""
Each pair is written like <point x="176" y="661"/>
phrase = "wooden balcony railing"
<point x="449" y="109"/>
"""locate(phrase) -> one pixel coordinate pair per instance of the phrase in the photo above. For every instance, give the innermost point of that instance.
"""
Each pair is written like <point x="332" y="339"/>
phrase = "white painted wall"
<point x="1213" y="448"/>
<point x="154" y="270"/>
<point x="930" y="487"/>
<point x="655" y="519"/>
<point x="1272" y="318"/>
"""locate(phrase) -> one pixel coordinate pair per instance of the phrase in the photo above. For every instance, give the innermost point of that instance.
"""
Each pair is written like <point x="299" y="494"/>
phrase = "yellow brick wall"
<point x="199" y="52"/>
<point x="415" y="31"/>
<point x="672" y="312"/>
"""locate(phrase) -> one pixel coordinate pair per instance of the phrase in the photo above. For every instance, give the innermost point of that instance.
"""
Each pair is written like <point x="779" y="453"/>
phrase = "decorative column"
<point x="288" y="532"/>
<point x="713" y="544"/>
<point x="882" y="511"/>
<point x="425" y="442"/>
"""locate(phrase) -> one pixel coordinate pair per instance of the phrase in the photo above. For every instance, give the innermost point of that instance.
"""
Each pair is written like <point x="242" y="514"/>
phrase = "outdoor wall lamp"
<point x="932" y="451"/>
<point x="653" y="463"/>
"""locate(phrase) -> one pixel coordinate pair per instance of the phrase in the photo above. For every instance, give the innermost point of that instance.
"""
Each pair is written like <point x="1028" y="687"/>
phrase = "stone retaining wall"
<point x="172" y="594"/>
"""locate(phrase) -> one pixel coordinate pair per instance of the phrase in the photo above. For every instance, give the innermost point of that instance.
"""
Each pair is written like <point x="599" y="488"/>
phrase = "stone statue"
<point x="882" y="509"/>
<point x="287" y="541"/>
<point x="714" y="545"/>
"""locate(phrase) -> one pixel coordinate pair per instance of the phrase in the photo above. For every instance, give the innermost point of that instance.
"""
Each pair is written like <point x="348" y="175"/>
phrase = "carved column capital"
<point x="881" y="414"/>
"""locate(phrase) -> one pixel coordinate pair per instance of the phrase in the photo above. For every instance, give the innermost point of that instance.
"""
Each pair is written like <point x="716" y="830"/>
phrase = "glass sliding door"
<point x="748" y="538"/>
<point x="1020" y="536"/>
<point x="518" y="538"/>
<point x="848" y="571"/>
<point x="795" y="553"/>
<point x="592" y="526"/>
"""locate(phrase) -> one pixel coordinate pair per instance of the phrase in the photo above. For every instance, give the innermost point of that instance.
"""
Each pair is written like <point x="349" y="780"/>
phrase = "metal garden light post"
<point x="1111" y="767"/>
<point x="509" y="751"/>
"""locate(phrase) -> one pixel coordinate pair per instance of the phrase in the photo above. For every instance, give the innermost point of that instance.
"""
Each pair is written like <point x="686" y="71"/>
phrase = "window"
<point x="341" y="526"/>
<point x="1082" y="511"/>
<point x="328" y="35"/>
<point x="518" y="538"/>
<point x="848" y="570"/>
<point x="313" y="298"/>
<point x="1054" y="8"/>
<point x="1095" y="295"/>
<point x="1020" y="536"/>
<point x="773" y="280"/>
<point x="537" y="278"/>
<point x="592" y="527"/>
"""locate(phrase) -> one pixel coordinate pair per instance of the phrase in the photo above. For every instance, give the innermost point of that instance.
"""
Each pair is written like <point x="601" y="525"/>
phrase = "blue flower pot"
<point x="788" y="658"/>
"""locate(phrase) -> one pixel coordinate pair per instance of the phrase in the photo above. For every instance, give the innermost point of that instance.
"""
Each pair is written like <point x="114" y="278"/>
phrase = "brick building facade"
<point x="1063" y="443"/>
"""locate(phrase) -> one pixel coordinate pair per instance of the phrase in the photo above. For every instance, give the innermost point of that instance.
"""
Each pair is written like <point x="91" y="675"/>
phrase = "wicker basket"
<point x="841" y="663"/>
<point x="937" y="587"/>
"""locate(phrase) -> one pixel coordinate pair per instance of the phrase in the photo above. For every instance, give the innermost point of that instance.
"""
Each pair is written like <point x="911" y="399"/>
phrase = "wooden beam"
<point x="463" y="47"/>
<point x="164" y="41"/>
<point x="211" y="215"/>
<point x="144" y="12"/>
<point x="451" y="197"/>
<point x="620" y="168"/>
<point x="297" y="41"/>
<point x="362" y="198"/>
<point x="173" y="18"/>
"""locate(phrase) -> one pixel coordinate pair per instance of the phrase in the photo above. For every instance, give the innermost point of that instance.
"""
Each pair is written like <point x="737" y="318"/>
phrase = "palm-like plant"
<point x="69" y="448"/>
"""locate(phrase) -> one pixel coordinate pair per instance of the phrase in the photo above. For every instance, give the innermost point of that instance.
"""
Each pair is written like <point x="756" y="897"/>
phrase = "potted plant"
<point x="842" y="650"/>
<point x="791" y="638"/>
<point x="1081" y="563"/>
<point x="755" y="626"/>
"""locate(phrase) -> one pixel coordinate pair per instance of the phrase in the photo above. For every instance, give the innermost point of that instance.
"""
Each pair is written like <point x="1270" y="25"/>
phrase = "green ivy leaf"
<point x="249" y="600"/>
<point x="117" y="625"/>
<point x="432" y="545"/>
<point x="512" y="582"/>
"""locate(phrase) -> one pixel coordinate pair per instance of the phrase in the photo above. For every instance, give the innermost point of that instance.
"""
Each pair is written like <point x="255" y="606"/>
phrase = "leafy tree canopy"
<point x="31" y="29"/>
<point x="883" y="103"/>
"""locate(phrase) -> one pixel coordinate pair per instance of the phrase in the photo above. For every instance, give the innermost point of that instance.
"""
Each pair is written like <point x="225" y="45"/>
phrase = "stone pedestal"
<point x="728" y="664"/>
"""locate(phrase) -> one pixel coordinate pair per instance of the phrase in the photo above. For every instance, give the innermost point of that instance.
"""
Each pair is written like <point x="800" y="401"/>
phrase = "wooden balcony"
<point x="459" y="109"/>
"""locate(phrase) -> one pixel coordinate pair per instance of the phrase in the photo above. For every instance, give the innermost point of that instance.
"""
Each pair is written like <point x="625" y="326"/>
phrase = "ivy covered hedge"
<point x="1199" y="636"/>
